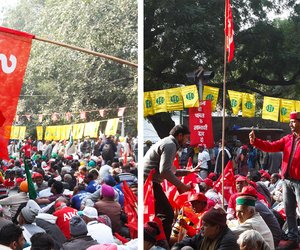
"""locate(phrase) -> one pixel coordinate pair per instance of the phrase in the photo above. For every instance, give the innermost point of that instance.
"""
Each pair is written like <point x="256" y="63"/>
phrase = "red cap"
<point x="245" y="147"/>
<point x="36" y="175"/>
<point x="261" y="171"/>
<point x="69" y="157"/>
<point x="198" y="197"/>
<point x="248" y="191"/>
<point x="295" y="115"/>
<point x="253" y="184"/>
<point x="19" y="180"/>
<point x="211" y="175"/>
<point x="208" y="182"/>
<point x="266" y="175"/>
<point x="241" y="178"/>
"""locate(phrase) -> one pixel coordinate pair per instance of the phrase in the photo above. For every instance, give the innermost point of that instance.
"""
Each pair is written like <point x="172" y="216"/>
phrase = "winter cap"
<point x="248" y="191"/>
<point x="215" y="216"/>
<point x="77" y="226"/>
<point x="30" y="211"/>
<point x="246" y="201"/>
<point x="107" y="191"/>
<point x="90" y="212"/>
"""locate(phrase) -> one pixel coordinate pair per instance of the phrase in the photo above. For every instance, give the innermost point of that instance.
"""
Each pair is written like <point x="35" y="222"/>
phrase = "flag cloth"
<point x="111" y="126"/>
<point x="297" y="106"/>
<point x="22" y="133"/>
<point x="235" y="101"/>
<point x="248" y="105"/>
<point x="121" y="111"/>
<point x="229" y="31"/>
<point x="78" y="130"/>
<point x="14" y="133"/>
<point x="91" y="129"/>
<point x="190" y="96"/>
<point x="229" y="182"/>
<point x="130" y="208"/>
<point x="15" y="49"/>
<point x="148" y="105"/>
<point x="211" y="94"/>
<point x="286" y="107"/>
<point x="270" y="108"/>
<point x="31" y="189"/>
<point x="39" y="133"/>
<point x="149" y="201"/>
<point x="174" y="99"/>
<point x="159" y="101"/>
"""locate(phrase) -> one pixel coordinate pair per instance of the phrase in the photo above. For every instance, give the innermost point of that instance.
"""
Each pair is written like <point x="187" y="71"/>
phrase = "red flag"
<point x="229" y="31"/>
<point x="229" y="182"/>
<point x="189" y="165"/>
<point x="121" y="112"/>
<point x="130" y="208"/>
<point x="149" y="201"/>
<point x="176" y="161"/>
<point x="102" y="112"/>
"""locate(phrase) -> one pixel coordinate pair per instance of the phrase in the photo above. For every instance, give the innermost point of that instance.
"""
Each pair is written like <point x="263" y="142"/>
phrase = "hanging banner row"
<point x="187" y="97"/>
<point x="63" y="132"/>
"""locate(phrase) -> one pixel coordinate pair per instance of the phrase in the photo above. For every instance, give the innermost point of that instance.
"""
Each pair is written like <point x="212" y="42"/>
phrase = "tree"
<point x="62" y="80"/>
<point x="181" y="35"/>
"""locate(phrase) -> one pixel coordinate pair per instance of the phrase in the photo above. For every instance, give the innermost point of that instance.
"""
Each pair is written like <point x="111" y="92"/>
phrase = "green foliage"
<point x="60" y="79"/>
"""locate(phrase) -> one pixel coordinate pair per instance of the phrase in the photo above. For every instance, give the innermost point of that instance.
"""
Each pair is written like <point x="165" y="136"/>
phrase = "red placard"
<point x="14" y="53"/>
<point x="201" y="125"/>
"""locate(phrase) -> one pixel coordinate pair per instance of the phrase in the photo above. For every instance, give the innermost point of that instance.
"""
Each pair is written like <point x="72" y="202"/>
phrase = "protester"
<point x="151" y="231"/>
<point x="252" y="240"/>
<point x="11" y="237"/>
<point x="289" y="171"/>
<point x="160" y="157"/>
<point x="41" y="241"/>
<point x="203" y="161"/>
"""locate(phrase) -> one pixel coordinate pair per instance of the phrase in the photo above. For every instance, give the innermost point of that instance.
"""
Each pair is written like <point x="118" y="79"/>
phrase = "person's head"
<point x="199" y="202"/>
<point x="57" y="187"/>
<point x="89" y="178"/>
<point x="201" y="148"/>
<point x="206" y="184"/>
<point x="295" y="122"/>
<point x="23" y="187"/>
<point x="107" y="192"/>
<point x="265" y="177"/>
<point x="245" y="208"/>
<point x="77" y="226"/>
<point x="38" y="178"/>
<point x="181" y="133"/>
<point x="41" y="241"/>
<point x="29" y="213"/>
<point x="151" y="231"/>
<point x="89" y="214"/>
<point x="11" y="236"/>
<point x="241" y="182"/>
<point x="213" y="222"/>
<point x="250" y="240"/>
<point x="274" y="178"/>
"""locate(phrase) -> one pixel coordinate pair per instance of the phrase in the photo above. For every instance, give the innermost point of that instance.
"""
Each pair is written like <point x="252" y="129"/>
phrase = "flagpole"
<point x="113" y="58"/>
<point x="224" y="107"/>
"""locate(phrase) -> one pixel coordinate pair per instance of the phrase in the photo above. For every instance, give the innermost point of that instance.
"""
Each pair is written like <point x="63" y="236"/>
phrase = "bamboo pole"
<point x="224" y="105"/>
<point x="113" y="58"/>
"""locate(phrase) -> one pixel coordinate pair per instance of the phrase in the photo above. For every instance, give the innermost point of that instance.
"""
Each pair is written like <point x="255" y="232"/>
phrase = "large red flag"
<point x="149" y="201"/>
<point x="229" y="31"/>
<point x="14" y="53"/>
<point x="229" y="182"/>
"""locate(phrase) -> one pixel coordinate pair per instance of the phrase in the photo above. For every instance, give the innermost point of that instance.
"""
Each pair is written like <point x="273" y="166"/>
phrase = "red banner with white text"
<point x="201" y="125"/>
<point x="14" y="53"/>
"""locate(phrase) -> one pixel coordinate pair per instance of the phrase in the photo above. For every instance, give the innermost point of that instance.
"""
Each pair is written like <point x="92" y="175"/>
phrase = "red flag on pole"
<point x="15" y="49"/>
<point x="149" y="201"/>
<point x="229" y="31"/>
<point x="229" y="182"/>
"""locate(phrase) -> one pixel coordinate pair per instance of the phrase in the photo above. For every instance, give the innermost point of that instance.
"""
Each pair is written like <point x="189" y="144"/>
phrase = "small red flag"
<point x="121" y="112"/>
<point x="229" y="31"/>
<point x="149" y="201"/>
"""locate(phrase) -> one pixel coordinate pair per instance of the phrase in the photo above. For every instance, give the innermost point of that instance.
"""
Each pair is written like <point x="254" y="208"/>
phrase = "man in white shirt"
<point x="203" y="159"/>
<point x="98" y="231"/>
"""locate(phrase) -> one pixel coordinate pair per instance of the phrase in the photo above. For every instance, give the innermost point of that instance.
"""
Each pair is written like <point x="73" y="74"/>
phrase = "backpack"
<point x="108" y="152"/>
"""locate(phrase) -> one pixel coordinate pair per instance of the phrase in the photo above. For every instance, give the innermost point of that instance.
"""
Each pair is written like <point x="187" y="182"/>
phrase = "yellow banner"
<point x="174" y="99"/>
<point x="297" y="104"/>
<point x="270" y="108"/>
<point x="65" y="131"/>
<point x="159" y="101"/>
<point x="14" y="132"/>
<point x="190" y="96"/>
<point x="56" y="133"/>
<point x="248" y="105"/>
<point x="22" y="132"/>
<point x="78" y="130"/>
<point x="91" y="129"/>
<point x="235" y="101"/>
<point x="148" y="104"/>
<point x="212" y="94"/>
<point x="286" y="107"/>
<point x="39" y="133"/>
<point x="111" y="126"/>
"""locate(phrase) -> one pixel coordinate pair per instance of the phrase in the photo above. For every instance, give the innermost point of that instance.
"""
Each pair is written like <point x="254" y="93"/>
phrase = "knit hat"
<point x="246" y="201"/>
<point x="77" y="226"/>
<point x="198" y="197"/>
<point x="30" y="211"/>
<point x="295" y="115"/>
<point x="107" y="191"/>
<point x="215" y="216"/>
<point x="151" y="230"/>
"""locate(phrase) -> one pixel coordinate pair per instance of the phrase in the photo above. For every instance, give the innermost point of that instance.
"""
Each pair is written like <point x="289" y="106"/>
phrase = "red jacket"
<point x="285" y="145"/>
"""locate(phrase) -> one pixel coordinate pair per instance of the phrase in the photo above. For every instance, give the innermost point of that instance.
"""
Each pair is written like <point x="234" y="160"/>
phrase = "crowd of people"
<point x="261" y="211"/>
<point x="68" y="194"/>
